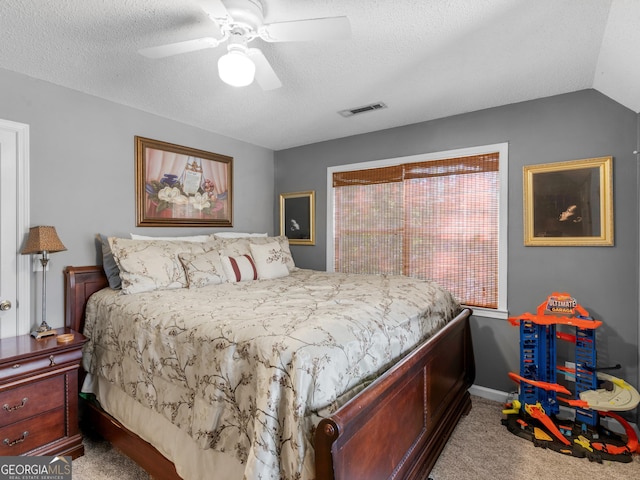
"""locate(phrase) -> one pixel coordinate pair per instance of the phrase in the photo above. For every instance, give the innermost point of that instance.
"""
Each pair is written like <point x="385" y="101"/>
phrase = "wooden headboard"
<point x="79" y="284"/>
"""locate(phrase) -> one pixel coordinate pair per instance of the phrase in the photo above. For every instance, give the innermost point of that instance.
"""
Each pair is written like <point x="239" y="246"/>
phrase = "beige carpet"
<point x="481" y="448"/>
<point x="103" y="462"/>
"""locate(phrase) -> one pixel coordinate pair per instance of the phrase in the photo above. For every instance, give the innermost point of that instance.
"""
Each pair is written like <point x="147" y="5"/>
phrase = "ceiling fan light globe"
<point x="236" y="69"/>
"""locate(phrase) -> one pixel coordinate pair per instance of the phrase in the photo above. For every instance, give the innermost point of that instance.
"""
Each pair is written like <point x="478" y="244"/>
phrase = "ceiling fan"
<point x="238" y="22"/>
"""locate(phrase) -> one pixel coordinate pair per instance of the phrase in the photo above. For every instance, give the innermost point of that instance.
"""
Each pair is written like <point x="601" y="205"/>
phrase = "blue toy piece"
<point x="586" y="372"/>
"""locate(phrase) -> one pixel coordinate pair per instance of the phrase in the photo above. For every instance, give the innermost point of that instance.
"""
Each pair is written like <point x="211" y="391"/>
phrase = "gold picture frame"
<point x="569" y="203"/>
<point x="179" y="186"/>
<point x="297" y="217"/>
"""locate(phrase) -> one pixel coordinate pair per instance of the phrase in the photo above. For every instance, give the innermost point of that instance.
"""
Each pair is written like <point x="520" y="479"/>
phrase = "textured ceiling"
<point x="424" y="59"/>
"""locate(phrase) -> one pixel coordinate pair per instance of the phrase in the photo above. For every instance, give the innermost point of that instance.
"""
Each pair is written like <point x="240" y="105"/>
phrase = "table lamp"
<point x="43" y="240"/>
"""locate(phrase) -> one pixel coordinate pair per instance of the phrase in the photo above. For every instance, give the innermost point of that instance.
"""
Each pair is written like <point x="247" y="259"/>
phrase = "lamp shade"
<point x="42" y="239"/>
<point x="236" y="68"/>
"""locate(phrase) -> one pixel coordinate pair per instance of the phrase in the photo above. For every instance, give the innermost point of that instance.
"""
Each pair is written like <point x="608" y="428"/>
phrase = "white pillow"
<point x="270" y="260"/>
<point x="147" y="265"/>
<point x="233" y="247"/>
<point x="191" y="238"/>
<point x="203" y="268"/>
<point x="239" y="269"/>
<point x="238" y="235"/>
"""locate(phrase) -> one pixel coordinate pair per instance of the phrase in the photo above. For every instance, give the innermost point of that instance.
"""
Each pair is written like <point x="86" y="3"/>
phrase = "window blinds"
<point x="434" y="220"/>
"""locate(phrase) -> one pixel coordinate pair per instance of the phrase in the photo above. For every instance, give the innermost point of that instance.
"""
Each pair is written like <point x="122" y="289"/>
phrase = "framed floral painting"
<point x="182" y="187"/>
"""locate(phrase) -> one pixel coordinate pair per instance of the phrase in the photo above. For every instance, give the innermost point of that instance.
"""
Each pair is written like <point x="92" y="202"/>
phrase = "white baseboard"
<point x="503" y="397"/>
<point x="489" y="393"/>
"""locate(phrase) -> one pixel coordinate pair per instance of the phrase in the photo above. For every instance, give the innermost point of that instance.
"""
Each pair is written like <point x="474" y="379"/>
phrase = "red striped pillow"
<point x="240" y="268"/>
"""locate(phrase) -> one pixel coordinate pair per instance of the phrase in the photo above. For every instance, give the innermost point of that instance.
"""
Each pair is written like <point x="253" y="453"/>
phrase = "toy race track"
<point x="535" y="415"/>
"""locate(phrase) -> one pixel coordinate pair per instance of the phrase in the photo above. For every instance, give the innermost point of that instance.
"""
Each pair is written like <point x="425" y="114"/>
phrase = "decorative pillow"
<point x="109" y="264"/>
<point x="147" y="265"/>
<point x="239" y="269"/>
<point x="191" y="238"/>
<point x="284" y="245"/>
<point x="202" y="268"/>
<point x="270" y="260"/>
<point x="234" y="247"/>
<point x="238" y="235"/>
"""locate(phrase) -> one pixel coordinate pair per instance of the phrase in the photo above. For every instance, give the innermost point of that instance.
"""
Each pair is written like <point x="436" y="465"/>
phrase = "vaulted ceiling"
<point x="424" y="59"/>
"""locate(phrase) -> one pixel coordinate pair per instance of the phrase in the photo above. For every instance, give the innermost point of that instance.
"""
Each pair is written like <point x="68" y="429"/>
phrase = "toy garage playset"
<point x="535" y="414"/>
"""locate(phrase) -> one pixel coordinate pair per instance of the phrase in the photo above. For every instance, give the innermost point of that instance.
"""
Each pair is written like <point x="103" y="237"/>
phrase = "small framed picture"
<point x="297" y="217"/>
<point x="569" y="203"/>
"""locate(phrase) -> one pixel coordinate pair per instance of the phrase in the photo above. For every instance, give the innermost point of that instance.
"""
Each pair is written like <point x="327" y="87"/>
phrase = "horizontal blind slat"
<point x="452" y="166"/>
<point x="368" y="176"/>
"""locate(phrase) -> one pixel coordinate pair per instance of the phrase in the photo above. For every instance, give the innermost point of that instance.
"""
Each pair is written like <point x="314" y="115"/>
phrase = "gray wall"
<point x="584" y="124"/>
<point x="83" y="169"/>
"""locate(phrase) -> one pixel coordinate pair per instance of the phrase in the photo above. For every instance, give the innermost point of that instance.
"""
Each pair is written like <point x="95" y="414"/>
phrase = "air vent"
<point x="366" y="108"/>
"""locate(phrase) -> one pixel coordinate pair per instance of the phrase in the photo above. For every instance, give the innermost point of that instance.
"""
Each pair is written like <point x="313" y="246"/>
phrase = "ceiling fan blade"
<point x="179" y="47"/>
<point x="331" y="28"/>
<point x="216" y="10"/>
<point x="265" y="75"/>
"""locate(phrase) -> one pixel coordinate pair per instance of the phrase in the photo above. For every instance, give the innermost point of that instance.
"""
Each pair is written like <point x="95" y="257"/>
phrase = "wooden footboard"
<point x="397" y="427"/>
<point x="394" y="429"/>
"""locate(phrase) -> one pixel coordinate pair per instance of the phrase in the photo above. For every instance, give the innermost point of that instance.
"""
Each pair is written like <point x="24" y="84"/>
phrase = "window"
<point x="433" y="216"/>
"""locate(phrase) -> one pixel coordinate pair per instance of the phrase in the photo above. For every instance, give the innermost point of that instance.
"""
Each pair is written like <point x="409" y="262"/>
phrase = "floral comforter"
<point x="249" y="368"/>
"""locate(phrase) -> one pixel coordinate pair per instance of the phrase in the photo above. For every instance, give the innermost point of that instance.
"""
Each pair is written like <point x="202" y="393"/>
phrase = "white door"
<point x="14" y="211"/>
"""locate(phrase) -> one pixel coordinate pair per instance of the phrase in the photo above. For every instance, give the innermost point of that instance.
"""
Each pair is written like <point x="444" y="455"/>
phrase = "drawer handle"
<point x="15" y="407"/>
<point x="17" y="440"/>
<point x="52" y="361"/>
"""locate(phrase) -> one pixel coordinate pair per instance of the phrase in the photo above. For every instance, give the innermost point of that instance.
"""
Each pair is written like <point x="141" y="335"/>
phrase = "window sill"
<point x="489" y="312"/>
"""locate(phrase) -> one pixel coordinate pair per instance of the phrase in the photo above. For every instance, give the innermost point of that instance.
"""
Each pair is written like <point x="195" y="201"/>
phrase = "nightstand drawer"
<point x="31" y="399"/>
<point x="37" y="364"/>
<point x="32" y="433"/>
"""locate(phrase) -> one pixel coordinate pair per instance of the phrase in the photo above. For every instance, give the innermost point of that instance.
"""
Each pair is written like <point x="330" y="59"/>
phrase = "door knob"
<point x="5" y="305"/>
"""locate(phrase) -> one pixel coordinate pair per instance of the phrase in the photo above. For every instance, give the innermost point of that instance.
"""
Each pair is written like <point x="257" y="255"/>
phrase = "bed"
<point x="361" y="409"/>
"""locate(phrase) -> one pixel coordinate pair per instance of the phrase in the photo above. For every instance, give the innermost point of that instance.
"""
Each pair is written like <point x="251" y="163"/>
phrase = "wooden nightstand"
<point x="39" y="395"/>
